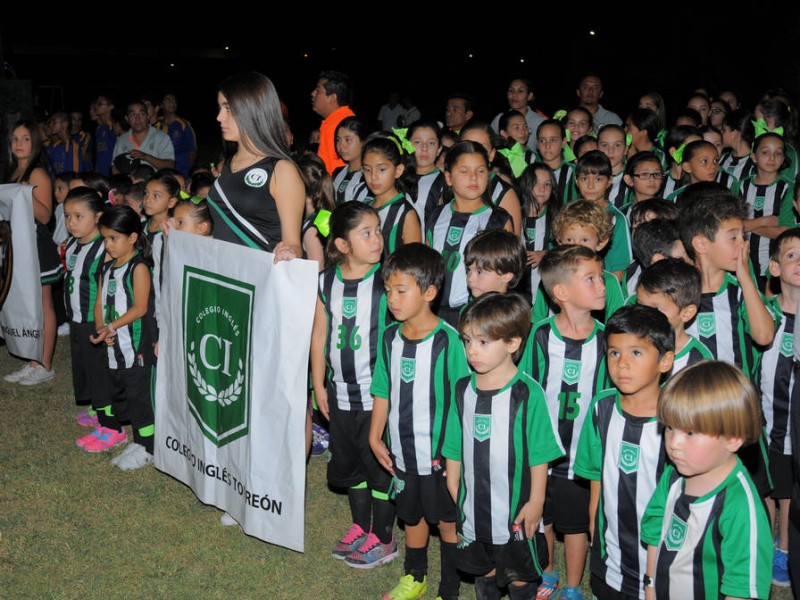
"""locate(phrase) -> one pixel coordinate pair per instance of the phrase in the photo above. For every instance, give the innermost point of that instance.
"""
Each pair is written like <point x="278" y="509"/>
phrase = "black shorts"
<point x="782" y="473"/>
<point x="131" y="395"/>
<point x="351" y="459"/>
<point x="754" y="458"/>
<point x="514" y="561"/>
<point x="89" y="366"/>
<point x="602" y="591"/>
<point x="566" y="505"/>
<point x="424" y="496"/>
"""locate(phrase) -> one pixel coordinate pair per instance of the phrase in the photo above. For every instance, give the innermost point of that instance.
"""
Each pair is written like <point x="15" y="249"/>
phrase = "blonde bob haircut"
<point x="714" y="398"/>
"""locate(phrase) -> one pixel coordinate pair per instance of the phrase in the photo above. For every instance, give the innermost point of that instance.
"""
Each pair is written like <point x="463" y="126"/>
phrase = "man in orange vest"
<point x="330" y="99"/>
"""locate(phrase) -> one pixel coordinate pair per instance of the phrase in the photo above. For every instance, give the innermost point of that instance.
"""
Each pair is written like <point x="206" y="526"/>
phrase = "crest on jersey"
<point x="349" y="307"/>
<point x="571" y="372"/>
<point x="71" y="261"/>
<point x="256" y="178"/>
<point x="758" y="203"/>
<point x="482" y="426"/>
<point x="112" y="287"/>
<point x="706" y="324"/>
<point x="628" y="457"/>
<point x="454" y="235"/>
<point x="787" y="344"/>
<point x="676" y="534"/>
<point x="408" y="368"/>
<point x="530" y="233"/>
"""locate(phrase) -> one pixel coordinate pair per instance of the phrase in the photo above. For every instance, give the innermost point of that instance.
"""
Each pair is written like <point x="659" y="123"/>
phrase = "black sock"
<point x="360" y="506"/>
<point x="416" y="563"/>
<point x="486" y="588"/>
<point x="107" y="419"/>
<point x="450" y="580"/>
<point x="522" y="592"/>
<point x="383" y="512"/>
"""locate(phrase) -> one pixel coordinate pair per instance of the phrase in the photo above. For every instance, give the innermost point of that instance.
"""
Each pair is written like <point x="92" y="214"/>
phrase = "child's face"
<point x="663" y="304"/>
<point x="118" y="244"/>
<point x="769" y="155"/>
<point x="157" y="200"/>
<point x="426" y="146"/>
<point x="717" y="113"/>
<point x="586" y="288"/>
<point x="634" y="364"/>
<point x="80" y="221"/>
<point x="480" y="281"/>
<point x="486" y="355"/>
<point x="787" y="267"/>
<point x="348" y="145"/>
<point x="577" y="123"/>
<point x="581" y="235"/>
<point x="550" y="143"/>
<point x="379" y="173"/>
<point x="714" y="138"/>
<point x="586" y="147"/>
<point x="728" y="139"/>
<point x="696" y="453"/>
<point x="60" y="190"/>
<point x="185" y="221"/>
<point x="469" y="176"/>
<point x="480" y="137"/>
<point x="703" y="166"/>
<point x="637" y="135"/>
<point x="646" y="179"/>
<point x="364" y="243"/>
<point x="404" y="297"/>
<point x="611" y="142"/>
<point x="542" y="189"/>
<point x="725" y="249"/>
<point x="21" y="143"/>
<point x="593" y="186"/>
<point x="700" y="105"/>
<point x="517" y="130"/>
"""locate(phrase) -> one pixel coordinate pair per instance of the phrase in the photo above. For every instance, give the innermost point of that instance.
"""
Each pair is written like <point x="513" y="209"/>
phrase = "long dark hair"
<point x="38" y="158"/>
<point x="123" y="219"/>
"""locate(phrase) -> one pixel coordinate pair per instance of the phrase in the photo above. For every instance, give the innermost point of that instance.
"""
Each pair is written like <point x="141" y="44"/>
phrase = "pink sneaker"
<point x="87" y="418"/>
<point x="102" y="439"/>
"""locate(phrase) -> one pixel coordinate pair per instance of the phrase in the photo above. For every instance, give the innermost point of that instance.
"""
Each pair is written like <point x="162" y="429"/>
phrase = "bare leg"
<point x="49" y="328"/>
<point x="575" y="545"/>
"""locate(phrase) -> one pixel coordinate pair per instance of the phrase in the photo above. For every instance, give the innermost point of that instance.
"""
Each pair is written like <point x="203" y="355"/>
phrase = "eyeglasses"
<point x="646" y="176"/>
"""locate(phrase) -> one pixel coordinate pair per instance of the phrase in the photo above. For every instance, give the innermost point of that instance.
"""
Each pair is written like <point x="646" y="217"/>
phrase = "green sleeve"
<point x="543" y="443"/>
<point x="787" y="216"/>
<point x="380" y="375"/>
<point x="457" y="364"/>
<point x="589" y="455"/>
<point x="452" y="438"/>
<point x="619" y="254"/>
<point x="614" y="297"/>
<point x="653" y="516"/>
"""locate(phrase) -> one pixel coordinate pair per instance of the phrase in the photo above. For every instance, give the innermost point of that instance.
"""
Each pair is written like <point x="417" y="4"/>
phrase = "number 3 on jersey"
<point x="351" y="340"/>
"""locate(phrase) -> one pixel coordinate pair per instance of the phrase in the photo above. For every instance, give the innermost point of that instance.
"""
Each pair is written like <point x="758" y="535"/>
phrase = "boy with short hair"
<point x="620" y="449"/>
<point x="419" y="360"/>
<point x="778" y="380"/>
<point x="495" y="261"/>
<point x="64" y="152"/>
<point x="566" y="354"/>
<point x="498" y="445"/>
<point x="652" y="241"/>
<point x="593" y="180"/>
<point x="673" y="287"/>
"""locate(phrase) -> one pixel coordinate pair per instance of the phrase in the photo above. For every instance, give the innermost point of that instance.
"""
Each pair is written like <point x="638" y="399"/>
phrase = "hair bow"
<point x="628" y="139"/>
<point x="661" y="136"/>
<point x="404" y="141"/>
<point x="761" y="128"/>
<point x="323" y="222"/>
<point x="677" y="156"/>
<point x="516" y="158"/>
<point x="196" y="199"/>
<point x="183" y="195"/>
<point x="568" y="134"/>
<point x="568" y="154"/>
<point x="559" y="115"/>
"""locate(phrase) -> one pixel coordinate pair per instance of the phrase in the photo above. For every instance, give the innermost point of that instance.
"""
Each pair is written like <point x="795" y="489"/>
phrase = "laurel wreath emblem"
<point x="225" y="397"/>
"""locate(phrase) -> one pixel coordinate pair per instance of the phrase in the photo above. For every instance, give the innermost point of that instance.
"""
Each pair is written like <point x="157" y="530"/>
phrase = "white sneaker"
<point x="227" y="521"/>
<point x="37" y="375"/>
<point x="21" y="373"/>
<point x="63" y="329"/>
<point x="128" y="449"/>
<point x="135" y="459"/>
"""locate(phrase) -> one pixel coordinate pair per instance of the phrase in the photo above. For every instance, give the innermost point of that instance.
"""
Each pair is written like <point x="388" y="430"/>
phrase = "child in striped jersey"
<point x="566" y="355"/>
<point x="644" y="178"/>
<point x="348" y="181"/>
<point x="653" y="240"/>
<point x="643" y="127"/>
<point x="84" y="256"/>
<point x="707" y="532"/>
<point x="454" y="224"/>
<point x="495" y="262"/>
<point x="579" y="123"/>
<point x="699" y="163"/>
<point x="675" y="142"/>
<point x="738" y="135"/>
<point x="620" y="449"/>
<point x="192" y="215"/>
<point x="425" y="136"/>
<point x="673" y="286"/>
<point x="420" y="359"/>
<point x="348" y="325"/>
<point x="612" y="141"/>
<point x="384" y="174"/>
<point x="123" y="318"/>
<point x="551" y="137"/>
<point x="498" y="445"/>
<point x="778" y="383"/>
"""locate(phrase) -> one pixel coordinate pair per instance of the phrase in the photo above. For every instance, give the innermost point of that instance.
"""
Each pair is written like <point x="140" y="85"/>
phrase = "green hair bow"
<point x="568" y="134"/>
<point x="195" y="199"/>
<point x="404" y="141"/>
<point x="516" y="158"/>
<point x="183" y="195"/>
<point x="761" y="128"/>
<point x="559" y="115"/>
<point x="677" y="156"/>
<point x="628" y="139"/>
<point x="567" y="153"/>
<point x="323" y="222"/>
<point x="661" y="136"/>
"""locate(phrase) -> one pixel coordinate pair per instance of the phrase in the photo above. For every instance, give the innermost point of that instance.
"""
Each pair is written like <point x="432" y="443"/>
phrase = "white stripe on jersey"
<point x="764" y="205"/>
<point x="353" y="189"/>
<point x="776" y="366"/>
<point x="423" y="190"/>
<point x="79" y="258"/>
<point x="720" y="319"/>
<point x="157" y="245"/>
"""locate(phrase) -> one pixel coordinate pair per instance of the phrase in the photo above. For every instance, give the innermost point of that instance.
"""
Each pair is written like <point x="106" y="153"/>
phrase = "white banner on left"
<point x="231" y="390"/>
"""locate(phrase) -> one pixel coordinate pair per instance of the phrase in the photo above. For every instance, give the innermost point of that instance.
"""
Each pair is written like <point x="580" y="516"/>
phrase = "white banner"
<point x="231" y="389"/>
<point x="21" y="318"/>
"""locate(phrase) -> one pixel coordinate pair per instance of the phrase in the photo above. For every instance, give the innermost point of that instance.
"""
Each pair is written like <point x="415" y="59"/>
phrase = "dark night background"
<point x="69" y="63"/>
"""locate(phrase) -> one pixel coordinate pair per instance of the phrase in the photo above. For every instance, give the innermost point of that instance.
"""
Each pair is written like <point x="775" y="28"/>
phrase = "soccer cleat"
<point x="63" y="329"/>
<point x="135" y="459"/>
<point x="548" y="589"/>
<point x="372" y="553"/>
<point x="780" y="568"/>
<point x="319" y="440"/>
<point x="408" y="589"/>
<point x="572" y="593"/>
<point x="21" y="373"/>
<point x="102" y="439"/>
<point x="87" y="418"/>
<point x="37" y="375"/>
<point x="351" y="541"/>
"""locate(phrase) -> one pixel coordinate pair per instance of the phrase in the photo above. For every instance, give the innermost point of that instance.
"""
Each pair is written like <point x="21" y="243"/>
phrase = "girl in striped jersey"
<point x="537" y="189"/>
<point x="385" y="176"/>
<point x="427" y="194"/>
<point x="642" y="125"/>
<point x="319" y="197"/>
<point x="454" y="224"/>
<point x="123" y="317"/>
<point x="349" y="322"/>
<point x="699" y="162"/>
<point x="675" y="142"/>
<point x="706" y="529"/>
<point x="348" y="181"/>
<point x="551" y="137"/>
<point x="84" y="255"/>
<point x="765" y="191"/>
<point x="738" y="135"/>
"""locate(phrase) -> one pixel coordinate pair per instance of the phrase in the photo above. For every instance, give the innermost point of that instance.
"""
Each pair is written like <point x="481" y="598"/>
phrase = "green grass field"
<point x="74" y="526"/>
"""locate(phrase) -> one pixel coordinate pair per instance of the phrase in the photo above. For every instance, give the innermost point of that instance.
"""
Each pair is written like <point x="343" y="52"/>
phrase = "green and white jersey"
<point x="694" y="351"/>
<point x="134" y="344"/>
<point x="499" y="187"/>
<point x="427" y="196"/>
<point x="497" y="435"/>
<point x="626" y="454"/>
<point x="156" y="239"/>
<point x="618" y="195"/>
<point x="80" y="285"/>
<point x="738" y="166"/>
<point x="764" y="201"/>
<point x="393" y="219"/>
<point x="536" y="234"/>
<point x="670" y="187"/>
<point x="729" y="181"/>
<point x="349" y="185"/>
<point x="543" y="308"/>
<point x="448" y="232"/>
<point x="714" y="546"/>
<point x="565" y="181"/>
<point x="778" y="380"/>
<point x="357" y="316"/>
<point x="630" y="281"/>
<point x="618" y="254"/>
<point x="418" y="377"/>
<point x="571" y="373"/>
